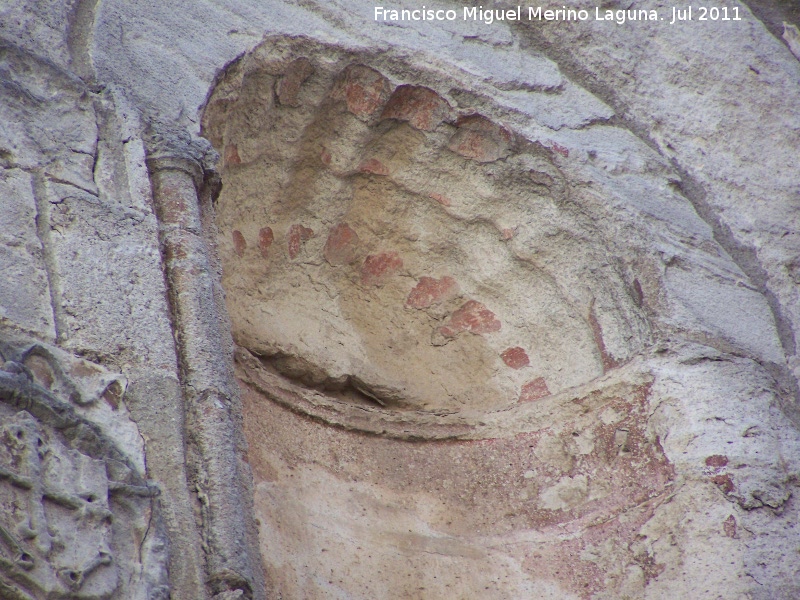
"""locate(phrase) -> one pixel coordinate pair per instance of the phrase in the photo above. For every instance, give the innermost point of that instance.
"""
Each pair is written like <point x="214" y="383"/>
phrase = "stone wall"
<point x="295" y="304"/>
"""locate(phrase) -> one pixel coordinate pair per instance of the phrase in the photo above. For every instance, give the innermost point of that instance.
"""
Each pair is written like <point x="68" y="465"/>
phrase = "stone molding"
<point x="179" y="177"/>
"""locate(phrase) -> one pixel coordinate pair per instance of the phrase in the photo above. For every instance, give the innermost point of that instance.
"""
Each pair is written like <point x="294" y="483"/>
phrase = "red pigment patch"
<point x="637" y="478"/>
<point x="443" y="200"/>
<point x="422" y="107"/>
<point x="239" y="243"/>
<point x="340" y="248"/>
<point x="534" y="390"/>
<point x="289" y="85"/>
<point x="560" y="149"/>
<point x="374" y="166"/>
<point x="473" y="317"/>
<point x="325" y="157"/>
<point x="508" y="233"/>
<point x="723" y="482"/>
<point x="516" y="358"/>
<point x="265" y="239"/>
<point x="480" y="139"/>
<point x="232" y="155"/>
<point x="597" y="331"/>
<point x="363" y="89"/>
<point x="729" y="527"/>
<point x="297" y="235"/>
<point x="717" y="461"/>
<point x="378" y="268"/>
<point x="430" y="291"/>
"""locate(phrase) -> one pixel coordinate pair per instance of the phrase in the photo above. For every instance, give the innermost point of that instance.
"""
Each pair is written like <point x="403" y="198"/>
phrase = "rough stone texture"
<point x="516" y="304"/>
<point x="78" y="518"/>
<point x="420" y="106"/>
<point x="78" y="191"/>
<point x="24" y="289"/>
<point x="669" y="286"/>
<point x="210" y="391"/>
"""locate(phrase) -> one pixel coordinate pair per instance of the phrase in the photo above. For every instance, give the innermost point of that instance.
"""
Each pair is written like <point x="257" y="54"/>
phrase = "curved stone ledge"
<point x="422" y="426"/>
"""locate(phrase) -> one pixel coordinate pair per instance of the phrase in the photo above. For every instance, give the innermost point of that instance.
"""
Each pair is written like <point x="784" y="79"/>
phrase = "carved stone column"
<point x="210" y="392"/>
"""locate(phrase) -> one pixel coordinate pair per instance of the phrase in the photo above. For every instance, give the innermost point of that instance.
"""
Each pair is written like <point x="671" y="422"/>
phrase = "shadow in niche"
<point x="345" y="388"/>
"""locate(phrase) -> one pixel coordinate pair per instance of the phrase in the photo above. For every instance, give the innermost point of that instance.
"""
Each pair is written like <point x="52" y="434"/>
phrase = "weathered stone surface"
<point x="46" y="111"/>
<point x="24" y="287"/>
<point x="520" y="358"/>
<point x="376" y="213"/>
<point x="420" y="106"/>
<point x="288" y="87"/>
<point x="601" y="217"/>
<point x="86" y="198"/>
<point x="78" y="520"/>
<point x="101" y="250"/>
<point x="480" y="139"/>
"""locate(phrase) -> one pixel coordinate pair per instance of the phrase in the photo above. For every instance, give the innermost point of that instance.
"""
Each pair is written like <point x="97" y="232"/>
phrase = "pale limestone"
<point x="638" y="238"/>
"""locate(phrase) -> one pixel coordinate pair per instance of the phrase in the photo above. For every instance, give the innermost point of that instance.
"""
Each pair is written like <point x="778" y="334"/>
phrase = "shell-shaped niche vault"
<point x="384" y="243"/>
<point x="444" y="298"/>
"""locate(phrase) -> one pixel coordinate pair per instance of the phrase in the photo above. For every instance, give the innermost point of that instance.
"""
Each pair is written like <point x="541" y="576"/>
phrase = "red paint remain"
<point x="563" y="151"/>
<point x="297" y="235"/>
<point x="363" y="89"/>
<point x="516" y="357"/>
<point x="232" y="155"/>
<point x="608" y="361"/>
<point x="723" y="482"/>
<point x="729" y="527"/>
<point x="443" y="200"/>
<point x="480" y="139"/>
<point x="717" y="461"/>
<point x="289" y="85"/>
<point x="374" y="167"/>
<point x="239" y="243"/>
<point x="265" y="239"/>
<point x="340" y="248"/>
<point x="325" y="156"/>
<point x="473" y="317"/>
<point x="430" y="291"/>
<point x="534" y="390"/>
<point x="378" y="268"/>
<point x="421" y="107"/>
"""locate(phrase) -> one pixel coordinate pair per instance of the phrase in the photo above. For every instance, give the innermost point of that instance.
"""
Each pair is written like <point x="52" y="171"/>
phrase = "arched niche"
<point x="386" y="244"/>
<point x="454" y="339"/>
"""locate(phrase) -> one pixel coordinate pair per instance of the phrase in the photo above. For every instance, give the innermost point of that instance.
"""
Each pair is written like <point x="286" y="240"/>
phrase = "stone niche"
<point x="448" y="337"/>
<point x="387" y="248"/>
